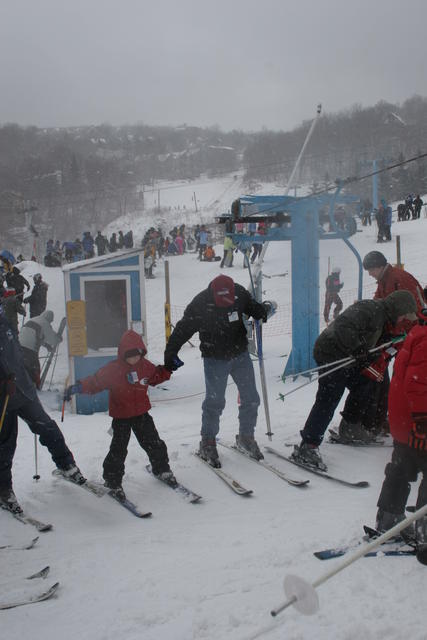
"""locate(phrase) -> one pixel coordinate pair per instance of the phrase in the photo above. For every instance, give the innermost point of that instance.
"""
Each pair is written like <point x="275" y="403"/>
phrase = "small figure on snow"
<point x="127" y="379"/>
<point x="333" y="286"/>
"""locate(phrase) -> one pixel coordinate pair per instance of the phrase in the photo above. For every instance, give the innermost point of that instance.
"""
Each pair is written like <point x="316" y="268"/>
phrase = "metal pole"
<point x="398" y="256"/>
<point x="168" y="330"/>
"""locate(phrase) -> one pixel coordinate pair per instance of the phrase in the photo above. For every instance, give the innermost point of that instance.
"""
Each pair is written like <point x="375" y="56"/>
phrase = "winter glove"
<point x="10" y="385"/>
<point x="376" y="370"/>
<point x="270" y="307"/>
<point x="418" y="435"/>
<point x="172" y="362"/>
<point x="72" y="390"/>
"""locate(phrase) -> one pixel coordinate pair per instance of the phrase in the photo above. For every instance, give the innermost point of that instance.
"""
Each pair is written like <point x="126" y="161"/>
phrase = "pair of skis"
<point x="38" y="596"/>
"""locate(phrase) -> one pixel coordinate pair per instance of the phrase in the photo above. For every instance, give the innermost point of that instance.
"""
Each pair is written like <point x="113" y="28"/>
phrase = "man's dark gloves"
<point x="72" y="390"/>
<point x="269" y="307"/>
<point x="172" y="362"/>
<point x="362" y="356"/>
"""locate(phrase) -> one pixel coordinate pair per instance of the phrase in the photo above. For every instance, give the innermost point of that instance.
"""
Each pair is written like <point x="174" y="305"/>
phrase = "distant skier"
<point x="37" y="333"/>
<point x="418" y="203"/>
<point x="38" y="297"/>
<point x="101" y="243"/>
<point x="217" y="314"/>
<point x="127" y="380"/>
<point x="333" y="287"/>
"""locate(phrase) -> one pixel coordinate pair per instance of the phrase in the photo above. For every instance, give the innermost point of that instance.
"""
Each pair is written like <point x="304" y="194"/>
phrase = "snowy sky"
<point x="236" y="63"/>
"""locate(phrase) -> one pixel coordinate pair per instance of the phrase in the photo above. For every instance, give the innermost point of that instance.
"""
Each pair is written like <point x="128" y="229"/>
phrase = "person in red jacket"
<point x="127" y="380"/>
<point x="407" y="405"/>
<point x="390" y="279"/>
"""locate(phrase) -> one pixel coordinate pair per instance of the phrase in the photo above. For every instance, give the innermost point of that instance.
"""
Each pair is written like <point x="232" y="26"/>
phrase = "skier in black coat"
<point x="356" y="330"/>
<point x="18" y="398"/>
<point x="217" y="314"/>
<point x="15" y="280"/>
<point x="38" y="297"/>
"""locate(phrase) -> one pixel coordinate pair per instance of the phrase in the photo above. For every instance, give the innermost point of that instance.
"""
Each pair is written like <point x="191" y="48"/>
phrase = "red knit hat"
<point x="223" y="291"/>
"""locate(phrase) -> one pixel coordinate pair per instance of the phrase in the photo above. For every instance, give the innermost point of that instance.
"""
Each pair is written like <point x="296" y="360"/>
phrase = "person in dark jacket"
<point x="333" y="287"/>
<point x="418" y="203"/>
<point x="12" y="306"/>
<point x="353" y="334"/>
<point x="88" y="244"/>
<point x="15" y="280"/>
<point x="38" y="297"/>
<point x="127" y="379"/>
<point x="18" y="398"/>
<point x="101" y="243"/>
<point x="407" y="404"/>
<point x="217" y="314"/>
<point x="113" y="244"/>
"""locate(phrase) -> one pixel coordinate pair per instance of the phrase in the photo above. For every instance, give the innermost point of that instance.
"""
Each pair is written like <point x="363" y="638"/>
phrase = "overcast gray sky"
<point x="242" y="64"/>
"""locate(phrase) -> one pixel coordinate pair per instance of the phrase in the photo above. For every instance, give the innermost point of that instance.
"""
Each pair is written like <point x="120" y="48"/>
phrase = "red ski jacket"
<point x="408" y="387"/>
<point x="127" y="384"/>
<point x="393" y="279"/>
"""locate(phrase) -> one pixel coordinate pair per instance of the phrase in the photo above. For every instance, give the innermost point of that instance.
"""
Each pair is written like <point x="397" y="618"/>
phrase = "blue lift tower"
<point x="297" y="220"/>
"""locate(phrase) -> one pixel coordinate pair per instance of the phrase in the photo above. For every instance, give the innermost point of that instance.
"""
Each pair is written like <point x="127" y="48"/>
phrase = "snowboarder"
<point x="356" y="330"/>
<point x="216" y="313"/>
<point x="127" y="380"/>
<point x="18" y="398"/>
<point x="408" y="425"/>
<point x="36" y="333"/>
<point x="38" y="297"/>
<point x="333" y="286"/>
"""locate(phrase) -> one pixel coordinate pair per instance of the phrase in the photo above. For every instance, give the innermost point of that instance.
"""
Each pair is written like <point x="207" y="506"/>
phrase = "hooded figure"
<point x="36" y="333"/>
<point x="216" y="313"/>
<point x="355" y="332"/>
<point x="127" y="380"/>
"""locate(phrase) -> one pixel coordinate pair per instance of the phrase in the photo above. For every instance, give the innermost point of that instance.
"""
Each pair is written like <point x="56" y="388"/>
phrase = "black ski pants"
<point x="41" y="424"/>
<point x="329" y="393"/>
<point x="148" y="438"/>
<point x="405" y="465"/>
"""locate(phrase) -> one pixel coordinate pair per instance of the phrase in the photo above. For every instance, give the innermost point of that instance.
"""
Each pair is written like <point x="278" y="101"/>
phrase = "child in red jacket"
<point x="127" y="380"/>
<point x="407" y="406"/>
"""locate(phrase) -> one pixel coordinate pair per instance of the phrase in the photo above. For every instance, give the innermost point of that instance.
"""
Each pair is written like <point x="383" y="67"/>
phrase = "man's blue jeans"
<point x="216" y="375"/>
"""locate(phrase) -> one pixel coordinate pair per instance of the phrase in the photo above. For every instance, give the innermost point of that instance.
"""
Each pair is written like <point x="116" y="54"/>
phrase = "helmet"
<point x="336" y="270"/>
<point x="374" y="259"/>
<point x="37" y="277"/>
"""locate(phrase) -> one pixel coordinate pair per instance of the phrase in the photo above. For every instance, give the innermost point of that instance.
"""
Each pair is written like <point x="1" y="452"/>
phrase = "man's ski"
<point x="335" y="438"/>
<point x="229" y="480"/>
<point x="43" y="573"/>
<point x="25" y="547"/>
<point x="25" y="519"/>
<point x="43" y="595"/>
<point x="179" y="488"/>
<point x="266" y="465"/>
<point x="318" y="472"/>
<point x="394" y="547"/>
<point x="93" y="487"/>
<point x="130" y="506"/>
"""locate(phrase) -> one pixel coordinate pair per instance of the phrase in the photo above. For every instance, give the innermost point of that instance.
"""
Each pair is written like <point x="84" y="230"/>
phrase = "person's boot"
<point x="9" y="501"/>
<point x="73" y="473"/>
<point x="386" y="520"/>
<point x="168" y="477"/>
<point x="421" y="539"/>
<point x="116" y="491"/>
<point x="306" y="453"/>
<point x="209" y="452"/>
<point x="354" y="433"/>
<point x="249" y="445"/>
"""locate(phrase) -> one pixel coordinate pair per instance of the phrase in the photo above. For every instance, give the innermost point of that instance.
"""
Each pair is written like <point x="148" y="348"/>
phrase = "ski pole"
<point x="344" y="363"/>
<point x="3" y="413"/>
<point x="36" y="475"/>
<point x="315" y="369"/>
<point x="258" y="334"/>
<point x="303" y="595"/>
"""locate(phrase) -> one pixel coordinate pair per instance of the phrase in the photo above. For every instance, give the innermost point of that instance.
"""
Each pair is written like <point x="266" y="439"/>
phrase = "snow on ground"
<point x="215" y="569"/>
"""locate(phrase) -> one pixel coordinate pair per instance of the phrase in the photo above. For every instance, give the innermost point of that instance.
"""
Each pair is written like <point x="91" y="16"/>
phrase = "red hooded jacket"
<point x="127" y="399"/>
<point x="394" y="279"/>
<point x="408" y="387"/>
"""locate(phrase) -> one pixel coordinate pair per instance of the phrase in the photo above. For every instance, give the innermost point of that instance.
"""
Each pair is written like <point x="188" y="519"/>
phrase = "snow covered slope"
<point x="213" y="570"/>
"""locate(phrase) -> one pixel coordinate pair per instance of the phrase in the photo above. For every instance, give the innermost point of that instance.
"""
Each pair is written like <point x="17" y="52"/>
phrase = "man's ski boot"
<point x="386" y="520"/>
<point x="9" y="502"/>
<point x="116" y="491"/>
<point x="209" y="452"/>
<point x="73" y="473"/>
<point x="249" y="445"/>
<point x="306" y="453"/>
<point x="168" y="477"/>
<point x="354" y="433"/>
